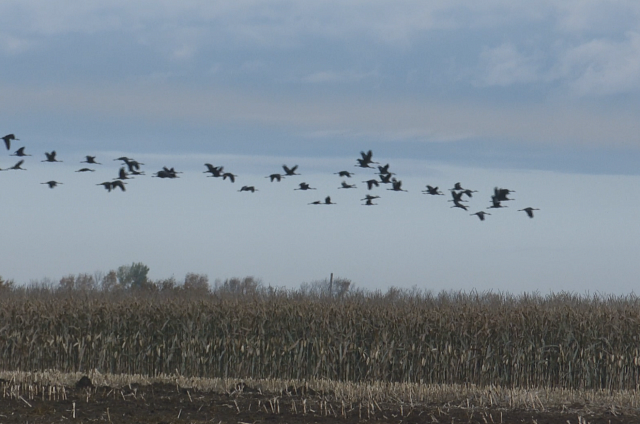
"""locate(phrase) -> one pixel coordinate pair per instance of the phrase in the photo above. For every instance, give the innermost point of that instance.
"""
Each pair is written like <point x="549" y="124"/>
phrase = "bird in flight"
<point x="290" y="171"/>
<point x="111" y="185"/>
<point x="20" y="152"/>
<point x="371" y="183"/>
<point x="327" y="201"/>
<point x="51" y="157"/>
<point x="275" y="177"/>
<point x="529" y="211"/>
<point x="345" y="185"/>
<point x="304" y="186"/>
<point x="369" y="202"/>
<point x="396" y="185"/>
<point x="7" y="140"/>
<point x="232" y="177"/>
<point x="86" y="170"/>
<point x="91" y="159"/>
<point x="370" y="197"/>
<point x="481" y="214"/>
<point x="252" y="189"/>
<point x="52" y="184"/>
<point x="344" y="174"/>
<point x="433" y="191"/>
<point x="215" y="171"/>
<point x="16" y="166"/>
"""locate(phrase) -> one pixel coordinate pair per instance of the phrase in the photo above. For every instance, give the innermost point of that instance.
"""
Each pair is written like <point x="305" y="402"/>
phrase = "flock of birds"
<point x="131" y="168"/>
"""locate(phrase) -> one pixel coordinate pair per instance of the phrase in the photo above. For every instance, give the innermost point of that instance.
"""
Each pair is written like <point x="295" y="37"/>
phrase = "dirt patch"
<point x="165" y="403"/>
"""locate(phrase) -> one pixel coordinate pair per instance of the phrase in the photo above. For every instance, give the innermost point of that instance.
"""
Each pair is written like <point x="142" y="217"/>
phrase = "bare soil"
<point x="165" y="403"/>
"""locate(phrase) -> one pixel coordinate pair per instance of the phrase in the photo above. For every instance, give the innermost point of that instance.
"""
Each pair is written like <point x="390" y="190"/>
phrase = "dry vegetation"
<point x="556" y="341"/>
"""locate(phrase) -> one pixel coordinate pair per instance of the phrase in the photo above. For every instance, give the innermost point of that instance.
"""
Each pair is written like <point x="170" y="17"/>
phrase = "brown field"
<point x="393" y="357"/>
<point x="56" y="397"/>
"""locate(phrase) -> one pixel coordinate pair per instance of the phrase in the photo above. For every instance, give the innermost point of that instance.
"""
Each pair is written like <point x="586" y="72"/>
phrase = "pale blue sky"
<point x="541" y="98"/>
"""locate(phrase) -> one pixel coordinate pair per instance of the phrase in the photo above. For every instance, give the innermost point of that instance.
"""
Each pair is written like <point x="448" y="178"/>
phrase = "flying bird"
<point x="327" y="201"/>
<point x="290" y="171"/>
<point x="91" y="160"/>
<point x="122" y="175"/>
<point x="502" y="193"/>
<point x="275" y="177"/>
<point x="369" y="202"/>
<point x="232" y="177"/>
<point x="252" y="189"/>
<point x="16" y="166"/>
<point x="481" y="214"/>
<point x="370" y="197"/>
<point x="7" y="140"/>
<point x="20" y="152"/>
<point x="396" y="185"/>
<point x="344" y="174"/>
<point x="433" y="191"/>
<point x="111" y="185"/>
<point x="304" y="186"/>
<point x="51" y="157"/>
<point x="495" y="203"/>
<point x="52" y="184"/>
<point x="371" y="183"/>
<point x="345" y="185"/>
<point x="86" y="170"/>
<point x="215" y="171"/>
<point x="529" y="211"/>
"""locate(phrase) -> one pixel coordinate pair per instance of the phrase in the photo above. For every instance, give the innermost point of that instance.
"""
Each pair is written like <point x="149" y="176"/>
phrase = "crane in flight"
<point x="275" y="177"/>
<point x="17" y="166"/>
<point x="91" y="160"/>
<point x="52" y="184"/>
<point x="20" y="152"/>
<point x="51" y="157"/>
<point x="433" y="191"/>
<point x="7" y="140"/>
<point x="252" y="189"/>
<point x="304" y="186"/>
<point x="345" y="185"/>
<point x="529" y="211"/>
<point x="344" y="174"/>
<point x="327" y="201"/>
<point x="290" y="171"/>
<point x="481" y="214"/>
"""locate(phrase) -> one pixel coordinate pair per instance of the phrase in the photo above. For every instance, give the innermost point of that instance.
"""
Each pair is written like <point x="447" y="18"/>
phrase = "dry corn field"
<point x="557" y="341"/>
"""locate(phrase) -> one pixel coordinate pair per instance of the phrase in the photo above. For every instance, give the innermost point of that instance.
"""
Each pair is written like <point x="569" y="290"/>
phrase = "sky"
<point x="541" y="98"/>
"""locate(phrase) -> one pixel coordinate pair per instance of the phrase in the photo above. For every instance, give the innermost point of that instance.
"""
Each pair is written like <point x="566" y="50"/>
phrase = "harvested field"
<point x="56" y="397"/>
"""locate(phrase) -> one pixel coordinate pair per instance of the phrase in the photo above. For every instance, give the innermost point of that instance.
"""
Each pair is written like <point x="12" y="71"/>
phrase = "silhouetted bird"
<point x="457" y="196"/>
<point x="385" y="178"/>
<point x="290" y="171"/>
<point x="327" y="201"/>
<point x="363" y="164"/>
<point x="369" y="202"/>
<point x="433" y="191"/>
<point x="51" y="184"/>
<point x="481" y="214"/>
<point x="384" y="170"/>
<point x="344" y="174"/>
<point x="275" y="177"/>
<point x="457" y="204"/>
<point x="371" y="183"/>
<point x="215" y="171"/>
<point x="51" y="157"/>
<point x="17" y="166"/>
<point x="122" y="175"/>
<point x="345" y="185"/>
<point x="396" y="185"/>
<point x="370" y="197"/>
<point x="111" y="185"/>
<point x="20" y="152"/>
<point x="304" y="186"/>
<point x="7" y="140"/>
<point x="252" y="189"/>
<point x="495" y="203"/>
<point x="91" y="160"/>
<point x="457" y="186"/>
<point x="502" y="193"/>
<point x="529" y="211"/>
<point x="85" y="170"/>
<point x="232" y="177"/>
